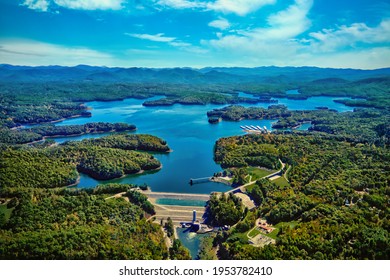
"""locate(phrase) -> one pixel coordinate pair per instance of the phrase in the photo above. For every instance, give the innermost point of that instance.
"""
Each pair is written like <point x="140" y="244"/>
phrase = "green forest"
<point x="66" y="224"/>
<point x="360" y="125"/>
<point x="337" y="198"/>
<point x="41" y="132"/>
<point x="58" y="166"/>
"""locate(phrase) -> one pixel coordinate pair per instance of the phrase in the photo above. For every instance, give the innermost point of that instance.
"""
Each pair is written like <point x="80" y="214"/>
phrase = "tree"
<point x="178" y="251"/>
<point x="169" y="227"/>
<point x="239" y="175"/>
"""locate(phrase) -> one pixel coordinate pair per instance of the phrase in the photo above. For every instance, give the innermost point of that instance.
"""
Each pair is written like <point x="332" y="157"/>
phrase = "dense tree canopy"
<point x="47" y="224"/>
<point x="338" y="196"/>
<point x="21" y="136"/>
<point x="335" y="205"/>
<point x="361" y="125"/>
<point x="224" y="210"/>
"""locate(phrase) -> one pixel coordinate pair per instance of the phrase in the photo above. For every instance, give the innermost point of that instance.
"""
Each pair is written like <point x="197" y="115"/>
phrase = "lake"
<point x="188" y="133"/>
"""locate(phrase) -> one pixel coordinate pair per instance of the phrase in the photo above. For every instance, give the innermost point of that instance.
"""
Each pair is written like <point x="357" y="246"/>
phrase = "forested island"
<point x="332" y="201"/>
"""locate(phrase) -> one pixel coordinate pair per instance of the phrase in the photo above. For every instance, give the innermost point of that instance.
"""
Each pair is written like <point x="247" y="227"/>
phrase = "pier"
<point x="255" y="129"/>
<point x="200" y="180"/>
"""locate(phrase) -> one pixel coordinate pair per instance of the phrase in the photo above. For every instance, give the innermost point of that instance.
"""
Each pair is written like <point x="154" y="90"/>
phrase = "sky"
<point x="196" y="33"/>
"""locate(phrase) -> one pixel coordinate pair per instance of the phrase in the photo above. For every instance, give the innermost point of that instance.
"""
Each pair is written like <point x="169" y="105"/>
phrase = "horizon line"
<point x="194" y="68"/>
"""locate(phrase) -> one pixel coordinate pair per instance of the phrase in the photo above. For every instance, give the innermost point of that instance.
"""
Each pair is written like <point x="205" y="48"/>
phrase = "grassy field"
<point x="281" y="182"/>
<point x="253" y="232"/>
<point x="258" y="173"/>
<point x="242" y="236"/>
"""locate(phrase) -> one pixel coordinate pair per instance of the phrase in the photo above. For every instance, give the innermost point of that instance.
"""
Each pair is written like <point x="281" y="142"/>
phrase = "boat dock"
<point x="254" y="129"/>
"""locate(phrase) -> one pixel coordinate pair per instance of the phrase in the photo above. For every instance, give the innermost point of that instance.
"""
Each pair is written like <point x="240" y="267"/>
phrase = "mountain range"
<point x="271" y="74"/>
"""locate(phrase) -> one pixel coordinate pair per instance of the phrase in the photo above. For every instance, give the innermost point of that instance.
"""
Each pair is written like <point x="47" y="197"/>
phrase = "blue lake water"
<point x="304" y="126"/>
<point x="313" y="102"/>
<point x="292" y="91"/>
<point x="246" y="95"/>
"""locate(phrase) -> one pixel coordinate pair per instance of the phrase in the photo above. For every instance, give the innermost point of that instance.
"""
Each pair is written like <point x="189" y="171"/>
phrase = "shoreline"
<point x="141" y="171"/>
<point x="76" y="135"/>
<point x="49" y="122"/>
<point x="75" y="183"/>
<point x="220" y="180"/>
<point x="121" y="177"/>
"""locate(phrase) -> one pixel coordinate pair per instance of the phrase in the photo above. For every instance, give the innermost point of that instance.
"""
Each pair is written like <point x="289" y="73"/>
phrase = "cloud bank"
<point x="43" y="5"/>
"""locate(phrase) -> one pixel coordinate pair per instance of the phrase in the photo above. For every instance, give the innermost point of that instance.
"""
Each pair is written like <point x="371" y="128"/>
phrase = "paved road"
<point x="272" y="176"/>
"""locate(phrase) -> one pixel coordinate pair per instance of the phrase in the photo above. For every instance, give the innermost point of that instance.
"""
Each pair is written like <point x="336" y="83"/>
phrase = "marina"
<point x="255" y="129"/>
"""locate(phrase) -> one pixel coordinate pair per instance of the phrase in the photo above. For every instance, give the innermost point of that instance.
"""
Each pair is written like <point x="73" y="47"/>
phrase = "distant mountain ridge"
<point x="223" y="75"/>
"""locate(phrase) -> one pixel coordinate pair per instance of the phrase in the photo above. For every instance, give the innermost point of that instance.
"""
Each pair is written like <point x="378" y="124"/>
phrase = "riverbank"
<point x="75" y="183"/>
<point x="78" y="134"/>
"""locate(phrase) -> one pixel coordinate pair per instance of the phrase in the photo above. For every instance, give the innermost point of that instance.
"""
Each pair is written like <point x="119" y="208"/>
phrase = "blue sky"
<point x="196" y="33"/>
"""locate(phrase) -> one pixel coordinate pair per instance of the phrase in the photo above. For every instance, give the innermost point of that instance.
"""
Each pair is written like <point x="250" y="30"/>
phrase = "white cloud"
<point x="372" y="58"/>
<point x="181" y="4"/>
<point x="329" y="40"/>
<point x="274" y="44"/>
<point x="40" y="5"/>
<point x="172" y="41"/>
<point x="24" y="52"/>
<point x="239" y="7"/>
<point x="43" y="5"/>
<point x="220" y="23"/>
<point x="180" y="44"/>
<point x="90" y="4"/>
<point x="281" y="43"/>
<point x="156" y="38"/>
<point x="277" y="37"/>
<point x="285" y="24"/>
<point x="292" y="21"/>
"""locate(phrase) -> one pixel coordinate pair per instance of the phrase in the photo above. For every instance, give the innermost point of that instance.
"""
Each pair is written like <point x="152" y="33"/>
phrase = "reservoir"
<point x="191" y="138"/>
<point x="189" y="135"/>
